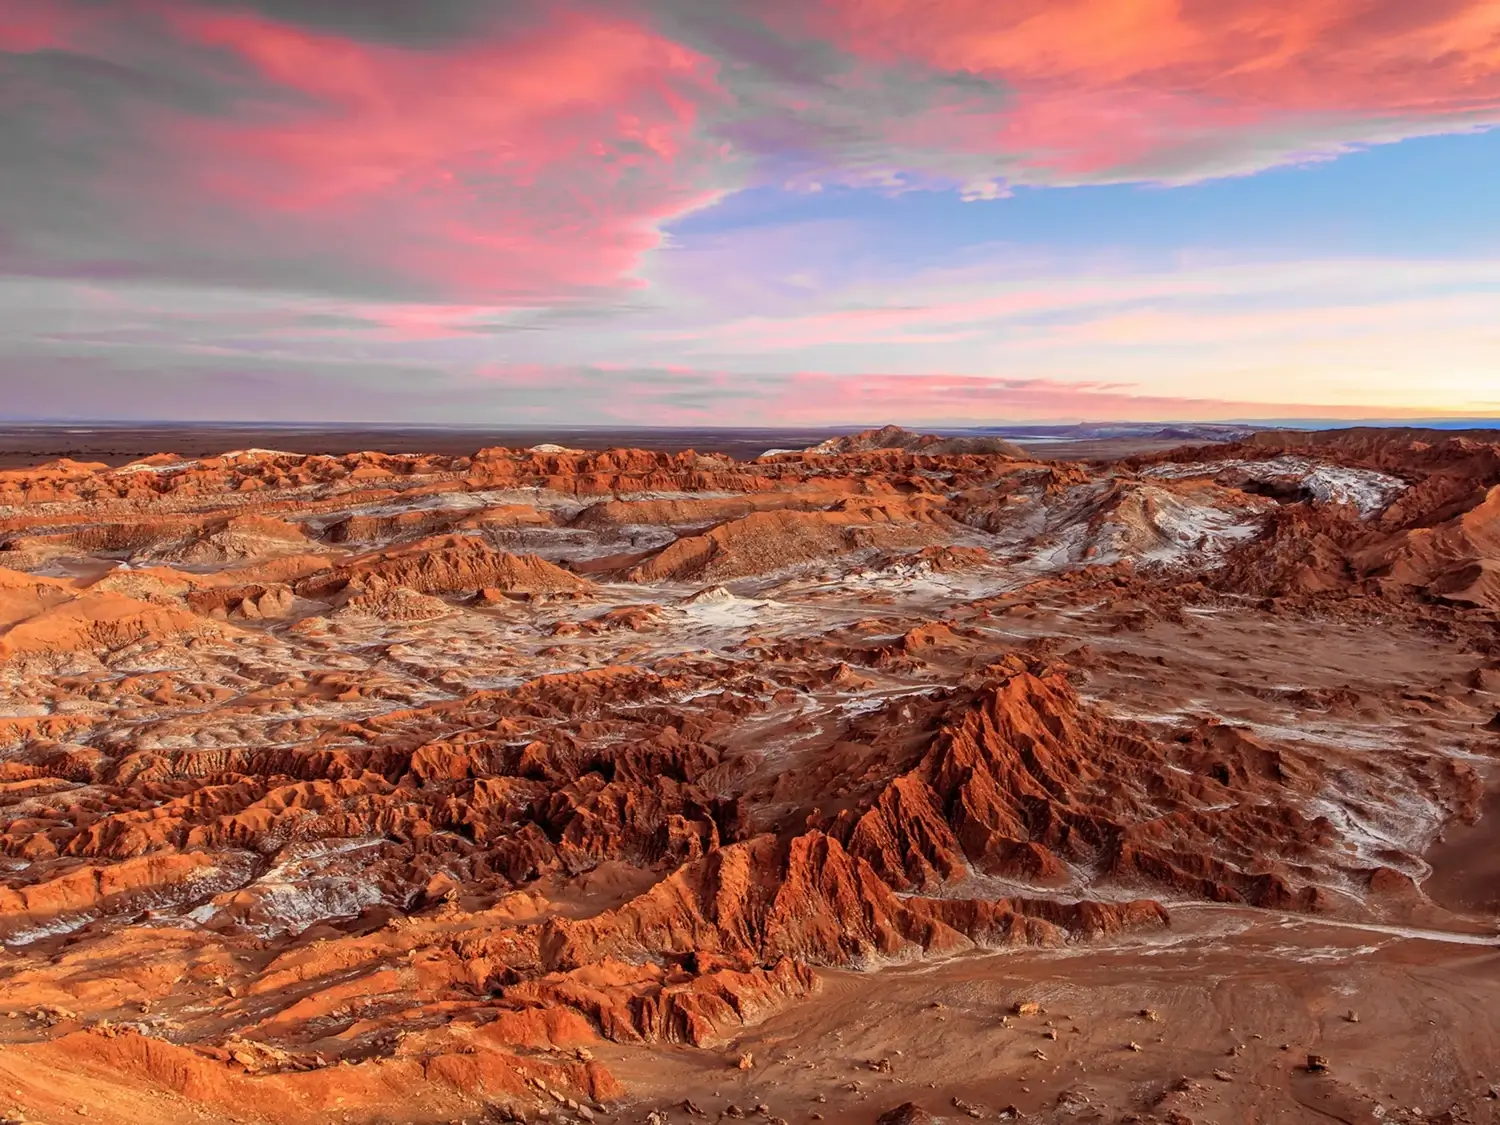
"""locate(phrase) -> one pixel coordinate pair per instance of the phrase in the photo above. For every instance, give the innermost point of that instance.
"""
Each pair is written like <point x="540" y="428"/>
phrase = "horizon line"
<point x="1445" y="421"/>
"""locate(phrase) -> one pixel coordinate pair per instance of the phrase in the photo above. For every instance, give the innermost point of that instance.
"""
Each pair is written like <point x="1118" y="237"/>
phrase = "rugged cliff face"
<point x="324" y="775"/>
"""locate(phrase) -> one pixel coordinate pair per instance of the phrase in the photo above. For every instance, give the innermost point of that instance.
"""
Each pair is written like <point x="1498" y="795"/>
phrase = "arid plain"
<point x="629" y="785"/>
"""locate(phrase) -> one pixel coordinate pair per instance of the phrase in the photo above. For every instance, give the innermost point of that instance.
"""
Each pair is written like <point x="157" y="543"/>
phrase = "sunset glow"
<point x="660" y="212"/>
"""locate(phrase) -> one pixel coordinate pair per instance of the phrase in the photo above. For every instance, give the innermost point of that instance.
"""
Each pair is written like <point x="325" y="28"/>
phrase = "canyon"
<point x="900" y="775"/>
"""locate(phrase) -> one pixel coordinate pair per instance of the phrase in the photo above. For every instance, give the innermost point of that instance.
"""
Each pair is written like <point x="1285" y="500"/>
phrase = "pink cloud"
<point x="514" y="167"/>
<point x="533" y="166"/>
<point x="33" y="29"/>
<point x="536" y="163"/>
<point x="1166" y="88"/>
<point x="422" y="322"/>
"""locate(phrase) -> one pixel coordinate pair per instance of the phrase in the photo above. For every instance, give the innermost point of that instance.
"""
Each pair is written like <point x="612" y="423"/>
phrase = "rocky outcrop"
<point x="94" y="621"/>
<point x="1457" y="559"/>
<point x="908" y="1113"/>
<point x="811" y="900"/>
<point x="1026" y="784"/>
<point x="455" y="564"/>
<point x="387" y="603"/>
<point x="766" y="542"/>
<point x="371" y="528"/>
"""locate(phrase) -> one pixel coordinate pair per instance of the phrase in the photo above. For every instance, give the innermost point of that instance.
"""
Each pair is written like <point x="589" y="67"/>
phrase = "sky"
<point x="749" y="212"/>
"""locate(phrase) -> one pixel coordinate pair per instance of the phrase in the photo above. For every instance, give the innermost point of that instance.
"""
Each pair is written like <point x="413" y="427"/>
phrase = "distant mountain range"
<point x="1098" y="431"/>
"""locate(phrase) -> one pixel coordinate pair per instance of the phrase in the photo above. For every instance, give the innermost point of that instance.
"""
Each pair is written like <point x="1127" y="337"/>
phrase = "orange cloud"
<point x="656" y="396"/>
<point x="534" y="161"/>
<point x="1115" y="85"/>
<point x="1336" y="55"/>
<point x="815" y="398"/>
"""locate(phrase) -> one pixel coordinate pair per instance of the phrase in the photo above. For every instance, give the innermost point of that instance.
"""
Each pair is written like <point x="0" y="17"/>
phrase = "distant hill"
<point x="894" y="437"/>
<point x="1145" y="431"/>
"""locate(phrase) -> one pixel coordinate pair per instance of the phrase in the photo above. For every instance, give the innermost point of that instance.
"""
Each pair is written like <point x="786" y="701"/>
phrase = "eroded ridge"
<point x="487" y="779"/>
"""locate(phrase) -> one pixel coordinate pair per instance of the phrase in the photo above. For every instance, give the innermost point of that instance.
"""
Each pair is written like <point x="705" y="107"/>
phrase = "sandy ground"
<point x="1239" y="1002"/>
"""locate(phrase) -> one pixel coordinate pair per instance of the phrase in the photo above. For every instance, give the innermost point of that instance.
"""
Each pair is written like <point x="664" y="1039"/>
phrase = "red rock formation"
<point x="764" y="542"/>
<point x="400" y="525"/>
<point x="454" y="564"/>
<point x="98" y="621"/>
<point x="1027" y="785"/>
<point x="417" y="811"/>
<point x="1457" y="559"/>
<point x="896" y="438"/>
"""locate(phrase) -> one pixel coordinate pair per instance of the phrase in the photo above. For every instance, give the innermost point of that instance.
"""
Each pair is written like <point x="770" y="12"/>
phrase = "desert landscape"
<point x="900" y="778"/>
<point x="742" y="562"/>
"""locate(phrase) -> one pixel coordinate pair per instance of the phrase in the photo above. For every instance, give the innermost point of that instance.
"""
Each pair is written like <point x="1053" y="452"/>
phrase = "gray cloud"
<point x="141" y="154"/>
<point x="92" y="183"/>
<point x="411" y="23"/>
